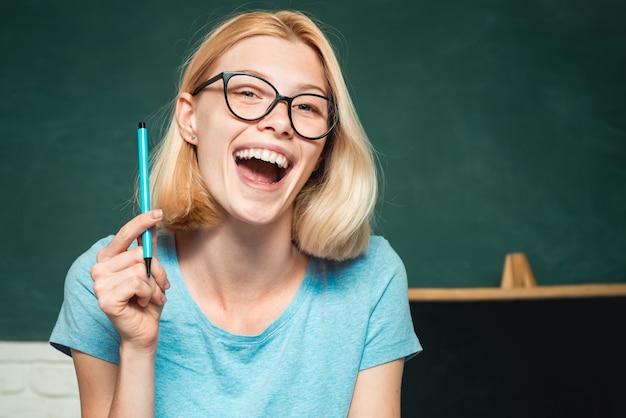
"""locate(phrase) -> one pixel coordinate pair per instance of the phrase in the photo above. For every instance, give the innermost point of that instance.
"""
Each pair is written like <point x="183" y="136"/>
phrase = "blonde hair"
<point x="333" y="211"/>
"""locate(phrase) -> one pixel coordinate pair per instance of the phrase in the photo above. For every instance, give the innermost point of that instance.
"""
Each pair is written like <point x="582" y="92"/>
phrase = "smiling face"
<point x="255" y="170"/>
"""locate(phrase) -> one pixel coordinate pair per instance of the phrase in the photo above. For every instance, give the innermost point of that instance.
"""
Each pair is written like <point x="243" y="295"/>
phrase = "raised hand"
<point x="132" y="301"/>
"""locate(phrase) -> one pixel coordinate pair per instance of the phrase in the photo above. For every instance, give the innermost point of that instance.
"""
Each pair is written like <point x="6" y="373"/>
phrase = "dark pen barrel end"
<point x="148" y="262"/>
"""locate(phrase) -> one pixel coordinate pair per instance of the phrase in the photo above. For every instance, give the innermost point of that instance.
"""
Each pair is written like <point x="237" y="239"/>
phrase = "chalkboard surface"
<point x="501" y="127"/>
<point x="521" y="359"/>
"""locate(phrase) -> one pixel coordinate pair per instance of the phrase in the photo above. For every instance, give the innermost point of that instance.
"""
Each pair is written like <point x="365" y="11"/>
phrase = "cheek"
<point x="211" y="157"/>
<point x="211" y="119"/>
<point x="316" y="155"/>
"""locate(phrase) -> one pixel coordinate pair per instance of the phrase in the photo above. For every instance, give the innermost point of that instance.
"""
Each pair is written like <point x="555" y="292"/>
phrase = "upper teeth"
<point x="264" y="155"/>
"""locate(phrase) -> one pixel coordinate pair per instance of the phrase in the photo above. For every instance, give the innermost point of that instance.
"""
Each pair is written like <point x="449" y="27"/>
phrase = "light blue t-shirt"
<point x="346" y="317"/>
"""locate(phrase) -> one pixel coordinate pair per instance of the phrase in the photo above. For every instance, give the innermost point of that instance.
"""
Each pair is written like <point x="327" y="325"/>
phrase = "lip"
<point x="271" y="148"/>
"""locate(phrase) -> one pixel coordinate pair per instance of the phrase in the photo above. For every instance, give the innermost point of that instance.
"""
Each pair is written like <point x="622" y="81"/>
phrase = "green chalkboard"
<point x="501" y="127"/>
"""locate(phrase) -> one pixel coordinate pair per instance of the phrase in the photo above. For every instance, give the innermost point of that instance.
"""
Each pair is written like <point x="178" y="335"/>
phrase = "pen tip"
<point x="148" y="262"/>
<point x="142" y="125"/>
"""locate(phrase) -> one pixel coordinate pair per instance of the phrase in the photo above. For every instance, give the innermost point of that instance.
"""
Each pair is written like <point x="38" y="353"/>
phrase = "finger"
<point x="115" y="294"/>
<point x="117" y="263"/>
<point x="157" y="296"/>
<point x="154" y="294"/>
<point x="154" y="240"/>
<point x="156" y="269"/>
<point x="159" y="275"/>
<point x="153" y="235"/>
<point x="130" y="232"/>
<point x="153" y="254"/>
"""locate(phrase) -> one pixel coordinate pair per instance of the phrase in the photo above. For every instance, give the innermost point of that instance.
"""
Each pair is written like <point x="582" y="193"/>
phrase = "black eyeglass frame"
<point x="226" y="75"/>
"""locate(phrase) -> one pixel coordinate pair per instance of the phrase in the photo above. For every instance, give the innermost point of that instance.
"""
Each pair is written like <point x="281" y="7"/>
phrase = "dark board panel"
<point x="501" y="127"/>
<point x="540" y="359"/>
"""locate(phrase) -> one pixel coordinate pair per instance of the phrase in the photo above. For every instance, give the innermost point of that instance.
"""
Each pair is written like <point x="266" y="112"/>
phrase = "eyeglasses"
<point x="250" y="97"/>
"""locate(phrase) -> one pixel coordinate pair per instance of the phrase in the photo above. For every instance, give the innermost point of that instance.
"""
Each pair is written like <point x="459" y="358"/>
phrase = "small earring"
<point x="193" y="137"/>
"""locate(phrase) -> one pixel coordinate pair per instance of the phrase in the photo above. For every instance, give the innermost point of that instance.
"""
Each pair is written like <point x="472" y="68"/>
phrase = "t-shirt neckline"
<point x="180" y="290"/>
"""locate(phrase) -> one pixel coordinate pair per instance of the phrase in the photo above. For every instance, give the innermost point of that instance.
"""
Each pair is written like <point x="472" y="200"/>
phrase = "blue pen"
<point x="144" y="190"/>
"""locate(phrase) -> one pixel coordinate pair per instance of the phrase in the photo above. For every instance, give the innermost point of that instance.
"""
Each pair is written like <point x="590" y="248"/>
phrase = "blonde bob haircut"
<point x="333" y="211"/>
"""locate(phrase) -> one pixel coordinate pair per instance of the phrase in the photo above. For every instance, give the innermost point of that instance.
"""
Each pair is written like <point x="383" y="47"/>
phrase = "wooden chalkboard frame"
<point x="518" y="282"/>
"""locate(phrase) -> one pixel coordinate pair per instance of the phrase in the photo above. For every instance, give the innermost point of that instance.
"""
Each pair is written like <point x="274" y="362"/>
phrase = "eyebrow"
<point x="302" y="86"/>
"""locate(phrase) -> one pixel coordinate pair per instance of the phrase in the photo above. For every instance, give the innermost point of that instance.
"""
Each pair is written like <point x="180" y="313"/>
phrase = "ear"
<point x="185" y="117"/>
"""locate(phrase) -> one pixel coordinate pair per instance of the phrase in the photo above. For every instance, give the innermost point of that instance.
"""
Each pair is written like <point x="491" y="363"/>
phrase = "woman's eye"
<point x="247" y="93"/>
<point x="305" y="108"/>
<point x="309" y="109"/>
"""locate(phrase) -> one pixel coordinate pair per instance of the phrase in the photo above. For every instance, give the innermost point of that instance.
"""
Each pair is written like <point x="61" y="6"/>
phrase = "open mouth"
<point x="261" y="165"/>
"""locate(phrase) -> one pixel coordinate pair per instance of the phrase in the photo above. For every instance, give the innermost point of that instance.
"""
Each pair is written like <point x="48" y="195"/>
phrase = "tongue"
<point x="259" y="171"/>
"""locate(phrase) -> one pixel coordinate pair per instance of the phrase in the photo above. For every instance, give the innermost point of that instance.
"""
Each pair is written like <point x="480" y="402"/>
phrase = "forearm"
<point x="134" y="391"/>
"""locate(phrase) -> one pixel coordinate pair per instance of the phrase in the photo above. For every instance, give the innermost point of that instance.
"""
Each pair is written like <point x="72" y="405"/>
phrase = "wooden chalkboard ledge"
<point x="518" y="282"/>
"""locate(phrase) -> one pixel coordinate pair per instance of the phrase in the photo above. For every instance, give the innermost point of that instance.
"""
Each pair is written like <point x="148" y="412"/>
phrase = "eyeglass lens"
<point x="249" y="97"/>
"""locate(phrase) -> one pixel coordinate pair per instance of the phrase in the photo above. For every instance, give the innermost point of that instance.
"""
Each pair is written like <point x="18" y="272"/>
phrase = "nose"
<point x="277" y="120"/>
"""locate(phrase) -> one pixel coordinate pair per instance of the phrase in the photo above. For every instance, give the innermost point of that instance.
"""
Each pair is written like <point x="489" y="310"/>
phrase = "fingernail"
<point x="167" y="284"/>
<point x="163" y="298"/>
<point x="156" y="214"/>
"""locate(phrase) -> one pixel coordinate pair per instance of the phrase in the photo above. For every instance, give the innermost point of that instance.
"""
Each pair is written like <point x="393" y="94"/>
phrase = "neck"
<point x="242" y="281"/>
<point x="239" y="263"/>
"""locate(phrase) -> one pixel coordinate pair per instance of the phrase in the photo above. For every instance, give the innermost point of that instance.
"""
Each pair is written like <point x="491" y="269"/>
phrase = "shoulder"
<point x="380" y="250"/>
<point x="86" y="260"/>
<point x="384" y="267"/>
<point x="368" y="275"/>
<point x="380" y="259"/>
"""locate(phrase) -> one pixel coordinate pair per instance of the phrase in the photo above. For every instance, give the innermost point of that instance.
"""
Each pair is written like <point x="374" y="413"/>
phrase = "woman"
<point x="279" y="303"/>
